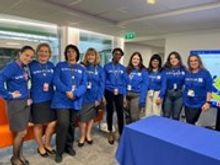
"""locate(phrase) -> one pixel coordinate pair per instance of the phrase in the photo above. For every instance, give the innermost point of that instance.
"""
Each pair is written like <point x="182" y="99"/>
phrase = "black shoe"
<point x="44" y="155"/>
<point x="71" y="151"/>
<point x="58" y="158"/>
<point x="50" y="151"/>
<point x="16" y="161"/>
<point x="89" y="141"/>
<point x="25" y="162"/>
<point x="111" y="138"/>
<point x="80" y="144"/>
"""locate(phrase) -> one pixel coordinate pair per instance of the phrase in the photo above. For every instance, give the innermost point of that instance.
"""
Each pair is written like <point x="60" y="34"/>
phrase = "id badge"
<point x="89" y="85"/>
<point x="129" y="87"/>
<point x="150" y="93"/>
<point x="29" y="84"/>
<point x="45" y="87"/>
<point x="191" y="93"/>
<point x="73" y="88"/>
<point x="116" y="91"/>
<point x="174" y="86"/>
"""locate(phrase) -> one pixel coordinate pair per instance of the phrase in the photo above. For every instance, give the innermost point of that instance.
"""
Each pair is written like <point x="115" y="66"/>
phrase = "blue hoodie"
<point x="138" y="82"/>
<point x="95" y="84"/>
<point x="14" y="77"/>
<point x="66" y="77"/>
<point x="201" y="84"/>
<point x="175" y="78"/>
<point x="115" y="78"/>
<point x="41" y="74"/>
<point x="157" y="82"/>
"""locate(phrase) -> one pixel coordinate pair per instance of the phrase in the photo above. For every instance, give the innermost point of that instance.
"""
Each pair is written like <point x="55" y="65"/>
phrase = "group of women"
<point x="56" y="99"/>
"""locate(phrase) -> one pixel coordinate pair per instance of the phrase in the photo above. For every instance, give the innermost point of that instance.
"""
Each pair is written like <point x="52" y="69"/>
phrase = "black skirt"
<point x="41" y="113"/>
<point x="18" y="114"/>
<point x="87" y="113"/>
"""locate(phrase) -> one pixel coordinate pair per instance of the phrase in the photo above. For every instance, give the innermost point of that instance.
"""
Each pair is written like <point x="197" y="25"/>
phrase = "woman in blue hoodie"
<point x="175" y="75"/>
<point x="115" y="91"/>
<point x="198" y="88"/>
<point x="41" y="93"/>
<point x="70" y="83"/>
<point x="157" y="86"/>
<point x="16" y="76"/>
<point x="93" y="96"/>
<point x="136" y="87"/>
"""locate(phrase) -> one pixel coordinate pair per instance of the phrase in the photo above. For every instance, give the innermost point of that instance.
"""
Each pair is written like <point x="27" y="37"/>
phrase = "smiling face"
<point x="43" y="54"/>
<point x="91" y="57"/>
<point x="135" y="61"/>
<point x="117" y="56"/>
<point x="174" y="61"/>
<point x="26" y="56"/>
<point x="155" y="64"/>
<point x="194" y="63"/>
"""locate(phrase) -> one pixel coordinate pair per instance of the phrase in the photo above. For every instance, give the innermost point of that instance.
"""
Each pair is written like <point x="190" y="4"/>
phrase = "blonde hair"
<point x="43" y="45"/>
<point x="97" y="56"/>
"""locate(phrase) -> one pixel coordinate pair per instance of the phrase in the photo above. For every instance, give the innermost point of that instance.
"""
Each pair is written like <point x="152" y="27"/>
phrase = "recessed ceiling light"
<point x="152" y="2"/>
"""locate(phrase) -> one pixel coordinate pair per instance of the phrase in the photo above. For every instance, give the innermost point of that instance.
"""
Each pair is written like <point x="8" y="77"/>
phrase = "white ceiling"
<point x="116" y="17"/>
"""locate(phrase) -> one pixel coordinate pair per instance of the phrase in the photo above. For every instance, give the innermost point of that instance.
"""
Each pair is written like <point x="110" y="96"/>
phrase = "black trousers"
<point x="217" y="125"/>
<point x="116" y="100"/>
<point x="192" y="114"/>
<point x="66" y="119"/>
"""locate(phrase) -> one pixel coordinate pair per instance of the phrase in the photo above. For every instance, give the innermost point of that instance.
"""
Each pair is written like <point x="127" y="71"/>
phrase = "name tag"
<point x="129" y="87"/>
<point x="191" y="93"/>
<point x="116" y="91"/>
<point x="45" y="87"/>
<point x="73" y="88"/>
<point x="89" y="85"/>
<point x="174" y="86"/>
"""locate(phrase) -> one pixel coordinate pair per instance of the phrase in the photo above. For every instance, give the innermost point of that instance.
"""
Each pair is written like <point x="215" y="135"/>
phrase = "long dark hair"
<point x="130" y="66"/>
<point x="155" y="57"/>
<point x="177" y="55"/>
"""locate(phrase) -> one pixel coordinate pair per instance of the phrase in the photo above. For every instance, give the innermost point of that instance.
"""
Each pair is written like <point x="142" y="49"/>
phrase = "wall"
<point x="185" y="42"/>
<point x="146" y="52"/>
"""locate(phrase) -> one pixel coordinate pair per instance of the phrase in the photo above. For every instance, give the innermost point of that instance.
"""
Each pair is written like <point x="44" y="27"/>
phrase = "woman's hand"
<point x="70" y="95"/>
<point x="205" y="107"/>
<point x="16" y="94"/>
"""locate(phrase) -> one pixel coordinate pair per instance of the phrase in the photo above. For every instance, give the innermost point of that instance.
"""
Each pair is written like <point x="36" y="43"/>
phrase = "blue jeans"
<point x="173" y="103"/>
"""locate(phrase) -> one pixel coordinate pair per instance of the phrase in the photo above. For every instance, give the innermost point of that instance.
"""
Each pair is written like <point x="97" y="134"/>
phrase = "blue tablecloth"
<point x="161" y="141"/>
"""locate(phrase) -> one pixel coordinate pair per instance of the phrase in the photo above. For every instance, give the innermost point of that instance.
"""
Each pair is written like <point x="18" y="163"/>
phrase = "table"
<point x="160" y="141"/>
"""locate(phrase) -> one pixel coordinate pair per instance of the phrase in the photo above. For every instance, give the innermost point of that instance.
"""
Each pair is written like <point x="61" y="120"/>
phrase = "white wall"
<point x="145" y="51"/>
<point x="185" y="42"/>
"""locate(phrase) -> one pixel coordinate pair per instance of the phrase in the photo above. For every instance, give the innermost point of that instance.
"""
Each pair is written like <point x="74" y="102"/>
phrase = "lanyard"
<point x="43" y="69"/>
<point x="92" y="71"/>
<point x="116" y="72"/>
<point x="73" y="75"/>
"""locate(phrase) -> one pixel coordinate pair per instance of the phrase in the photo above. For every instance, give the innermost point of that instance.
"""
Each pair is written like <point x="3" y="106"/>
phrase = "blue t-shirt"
<point x="138" y="83"/>
<point x="14" y="77"/>
<point x="157" y="82"/>
<point x="115" y="77"/>
<point x="41" y="75"/>
<point x="95" y="84"/>
<point x="197" y="85"/>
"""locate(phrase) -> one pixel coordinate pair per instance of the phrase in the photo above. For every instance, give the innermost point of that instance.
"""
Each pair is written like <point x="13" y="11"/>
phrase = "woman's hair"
<point x="130" y="66"/>
<point x="97" y="56"/>
<point x="155" y="57"/>
<point x="26" y="47"/>
<point x="177" y="55"/>
<point x="39" y="46"/>
<point x="201" y="66"/>
<point x="70" y="46"/>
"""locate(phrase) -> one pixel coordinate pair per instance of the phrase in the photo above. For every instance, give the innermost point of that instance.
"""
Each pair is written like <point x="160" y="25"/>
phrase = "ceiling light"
<point x="152" y="2"/>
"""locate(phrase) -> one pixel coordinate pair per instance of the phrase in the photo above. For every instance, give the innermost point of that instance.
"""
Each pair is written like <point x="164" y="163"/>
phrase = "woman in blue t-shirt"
<point x="42" y="71"/>
<point x="14" y="80"/>
<point x="175" y="75"/>
<point x="198" y="88"/>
